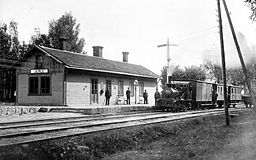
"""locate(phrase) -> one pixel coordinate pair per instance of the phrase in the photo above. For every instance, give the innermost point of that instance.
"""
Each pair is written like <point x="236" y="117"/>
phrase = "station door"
<point x="94" y="91"/>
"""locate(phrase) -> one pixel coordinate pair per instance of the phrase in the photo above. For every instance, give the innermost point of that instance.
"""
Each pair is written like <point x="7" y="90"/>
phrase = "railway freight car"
<point x="201" y="93"/>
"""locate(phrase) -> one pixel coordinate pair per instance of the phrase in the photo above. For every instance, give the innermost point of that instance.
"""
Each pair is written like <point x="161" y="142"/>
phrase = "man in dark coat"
<point x="128" y="95"/>
<point x="214" y="98"/>
<point x="145" y="96"/>
<point x="157" y="95"/>
<point x="107" y="95"/>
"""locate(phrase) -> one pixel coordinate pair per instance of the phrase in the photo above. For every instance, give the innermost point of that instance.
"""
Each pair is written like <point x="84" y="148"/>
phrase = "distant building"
<point x="57" y="77"/>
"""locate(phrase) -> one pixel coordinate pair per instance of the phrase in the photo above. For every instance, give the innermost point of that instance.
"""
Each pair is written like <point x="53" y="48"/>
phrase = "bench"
<point x="121" y="100"/>
<point x="141" y="100"/>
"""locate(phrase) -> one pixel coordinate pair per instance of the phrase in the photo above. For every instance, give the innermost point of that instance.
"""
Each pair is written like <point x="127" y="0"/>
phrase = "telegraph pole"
<point x="247" y="79"/>
<point x="168" y="54"/>
<point x="223" y="65"/>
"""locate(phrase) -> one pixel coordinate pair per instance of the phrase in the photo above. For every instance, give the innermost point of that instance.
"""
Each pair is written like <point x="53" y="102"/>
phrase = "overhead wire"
<point x="199" y="31"/>
<point x="197" y="36"/>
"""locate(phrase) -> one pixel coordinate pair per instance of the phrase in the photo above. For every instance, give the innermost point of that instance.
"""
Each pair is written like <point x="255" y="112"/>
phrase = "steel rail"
<point x="33" y="135"/>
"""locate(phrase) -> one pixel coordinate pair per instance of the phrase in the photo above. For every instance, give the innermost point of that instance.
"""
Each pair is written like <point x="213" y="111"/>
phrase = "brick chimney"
<point x="97" y="51"/>
<point x="125" y="56"/>
<point x="63" y="43"/>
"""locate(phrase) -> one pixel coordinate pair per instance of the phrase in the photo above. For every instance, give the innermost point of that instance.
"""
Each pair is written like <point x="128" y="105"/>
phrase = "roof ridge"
<point x="63" y="51"/>
<point x="75" y="53"/>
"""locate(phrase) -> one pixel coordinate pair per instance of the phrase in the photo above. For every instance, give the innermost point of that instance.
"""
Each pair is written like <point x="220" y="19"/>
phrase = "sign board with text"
<point x="37" y="71"/>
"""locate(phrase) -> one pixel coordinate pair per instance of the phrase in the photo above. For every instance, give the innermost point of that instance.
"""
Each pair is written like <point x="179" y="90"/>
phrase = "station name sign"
<point x="36" y="71"/>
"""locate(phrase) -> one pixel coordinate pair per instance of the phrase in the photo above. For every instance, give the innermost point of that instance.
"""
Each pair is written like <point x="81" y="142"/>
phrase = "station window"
<point x="141" y="88"/>
<point x="94" y="88"/>
<point x="45" y="85"/>
<point x="40" y="85"/>
<point x="33" y="85"/>
<point x="121" y="88"/>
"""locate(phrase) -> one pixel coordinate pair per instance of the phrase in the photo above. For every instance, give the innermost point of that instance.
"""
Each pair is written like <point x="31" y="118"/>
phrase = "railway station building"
<point x="50" y="76"/>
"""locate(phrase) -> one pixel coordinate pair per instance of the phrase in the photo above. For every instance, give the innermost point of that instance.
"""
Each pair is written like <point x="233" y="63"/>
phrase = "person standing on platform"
<point x="145" y="96"/>
<point x="107" y="95"/>
<point x="128" y="96"/>
<point x="157" y="95"/>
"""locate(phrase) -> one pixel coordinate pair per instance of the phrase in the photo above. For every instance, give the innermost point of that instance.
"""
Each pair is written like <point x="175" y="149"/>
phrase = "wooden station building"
<point x="57" y="77"/>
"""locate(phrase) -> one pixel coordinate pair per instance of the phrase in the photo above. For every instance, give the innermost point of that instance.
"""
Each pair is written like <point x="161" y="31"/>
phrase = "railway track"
<point x="32" y="131"/>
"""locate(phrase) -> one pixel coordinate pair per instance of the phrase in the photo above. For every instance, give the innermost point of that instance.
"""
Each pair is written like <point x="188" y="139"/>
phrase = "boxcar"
<point x="200" y="93"/>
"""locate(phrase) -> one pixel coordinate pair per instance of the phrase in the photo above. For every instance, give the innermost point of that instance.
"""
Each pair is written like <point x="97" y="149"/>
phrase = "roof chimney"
<point x="97" y="51"/>
<point x="125" y="56"/>
<point x="63" y="43"/>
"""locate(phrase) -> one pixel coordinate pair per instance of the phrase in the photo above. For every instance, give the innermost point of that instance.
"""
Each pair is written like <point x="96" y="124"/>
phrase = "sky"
<point x="139" y="26"/>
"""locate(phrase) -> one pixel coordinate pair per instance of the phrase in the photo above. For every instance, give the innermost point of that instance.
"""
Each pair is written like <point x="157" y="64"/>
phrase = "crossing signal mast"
<point x="167" y="45"/>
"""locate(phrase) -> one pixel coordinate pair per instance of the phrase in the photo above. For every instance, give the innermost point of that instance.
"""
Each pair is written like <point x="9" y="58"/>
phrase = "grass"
<point x="202" y="138"/>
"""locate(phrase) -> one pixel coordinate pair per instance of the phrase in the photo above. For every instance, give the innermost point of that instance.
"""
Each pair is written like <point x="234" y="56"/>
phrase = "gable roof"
<point x="92" y="63"/>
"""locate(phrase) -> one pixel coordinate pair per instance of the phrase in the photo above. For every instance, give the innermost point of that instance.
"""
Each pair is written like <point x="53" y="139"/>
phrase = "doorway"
<point x="94" y="91"/>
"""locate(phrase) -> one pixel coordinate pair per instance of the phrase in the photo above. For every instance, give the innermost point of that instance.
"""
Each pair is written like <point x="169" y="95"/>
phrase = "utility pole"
<point x="247" y="79"/>
<point x="223" y="65"/>
<point x="168" y="54"/>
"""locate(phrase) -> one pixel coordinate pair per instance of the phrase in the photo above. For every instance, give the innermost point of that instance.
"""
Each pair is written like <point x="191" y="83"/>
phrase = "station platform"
<point x="86" y="110"/>
<point x="112" y="109"/>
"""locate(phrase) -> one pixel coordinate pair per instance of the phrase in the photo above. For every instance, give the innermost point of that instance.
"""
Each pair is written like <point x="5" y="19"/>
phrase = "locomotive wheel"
<point x="220" y="105"/>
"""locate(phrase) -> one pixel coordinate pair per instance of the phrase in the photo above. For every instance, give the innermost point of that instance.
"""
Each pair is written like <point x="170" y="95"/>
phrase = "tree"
<point x="41" y="39"/>
<point x="5" y="40"/>
<point x="252" y="5"/>
<point x="175" y="75"/>
<point x="66" y="27"/>
<point x="9" y="52"/>
<point x="235" y="76"/>
<point x="9" y="43"/>
<point x="214" y="71"/>
<point x="188" y="73"/>
<point x="195" y="73"/>
<point x="13" y="31"/>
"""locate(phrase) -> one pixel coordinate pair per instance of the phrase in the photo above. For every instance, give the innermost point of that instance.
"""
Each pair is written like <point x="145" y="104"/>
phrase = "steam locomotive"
<point x="181" y="95"/>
